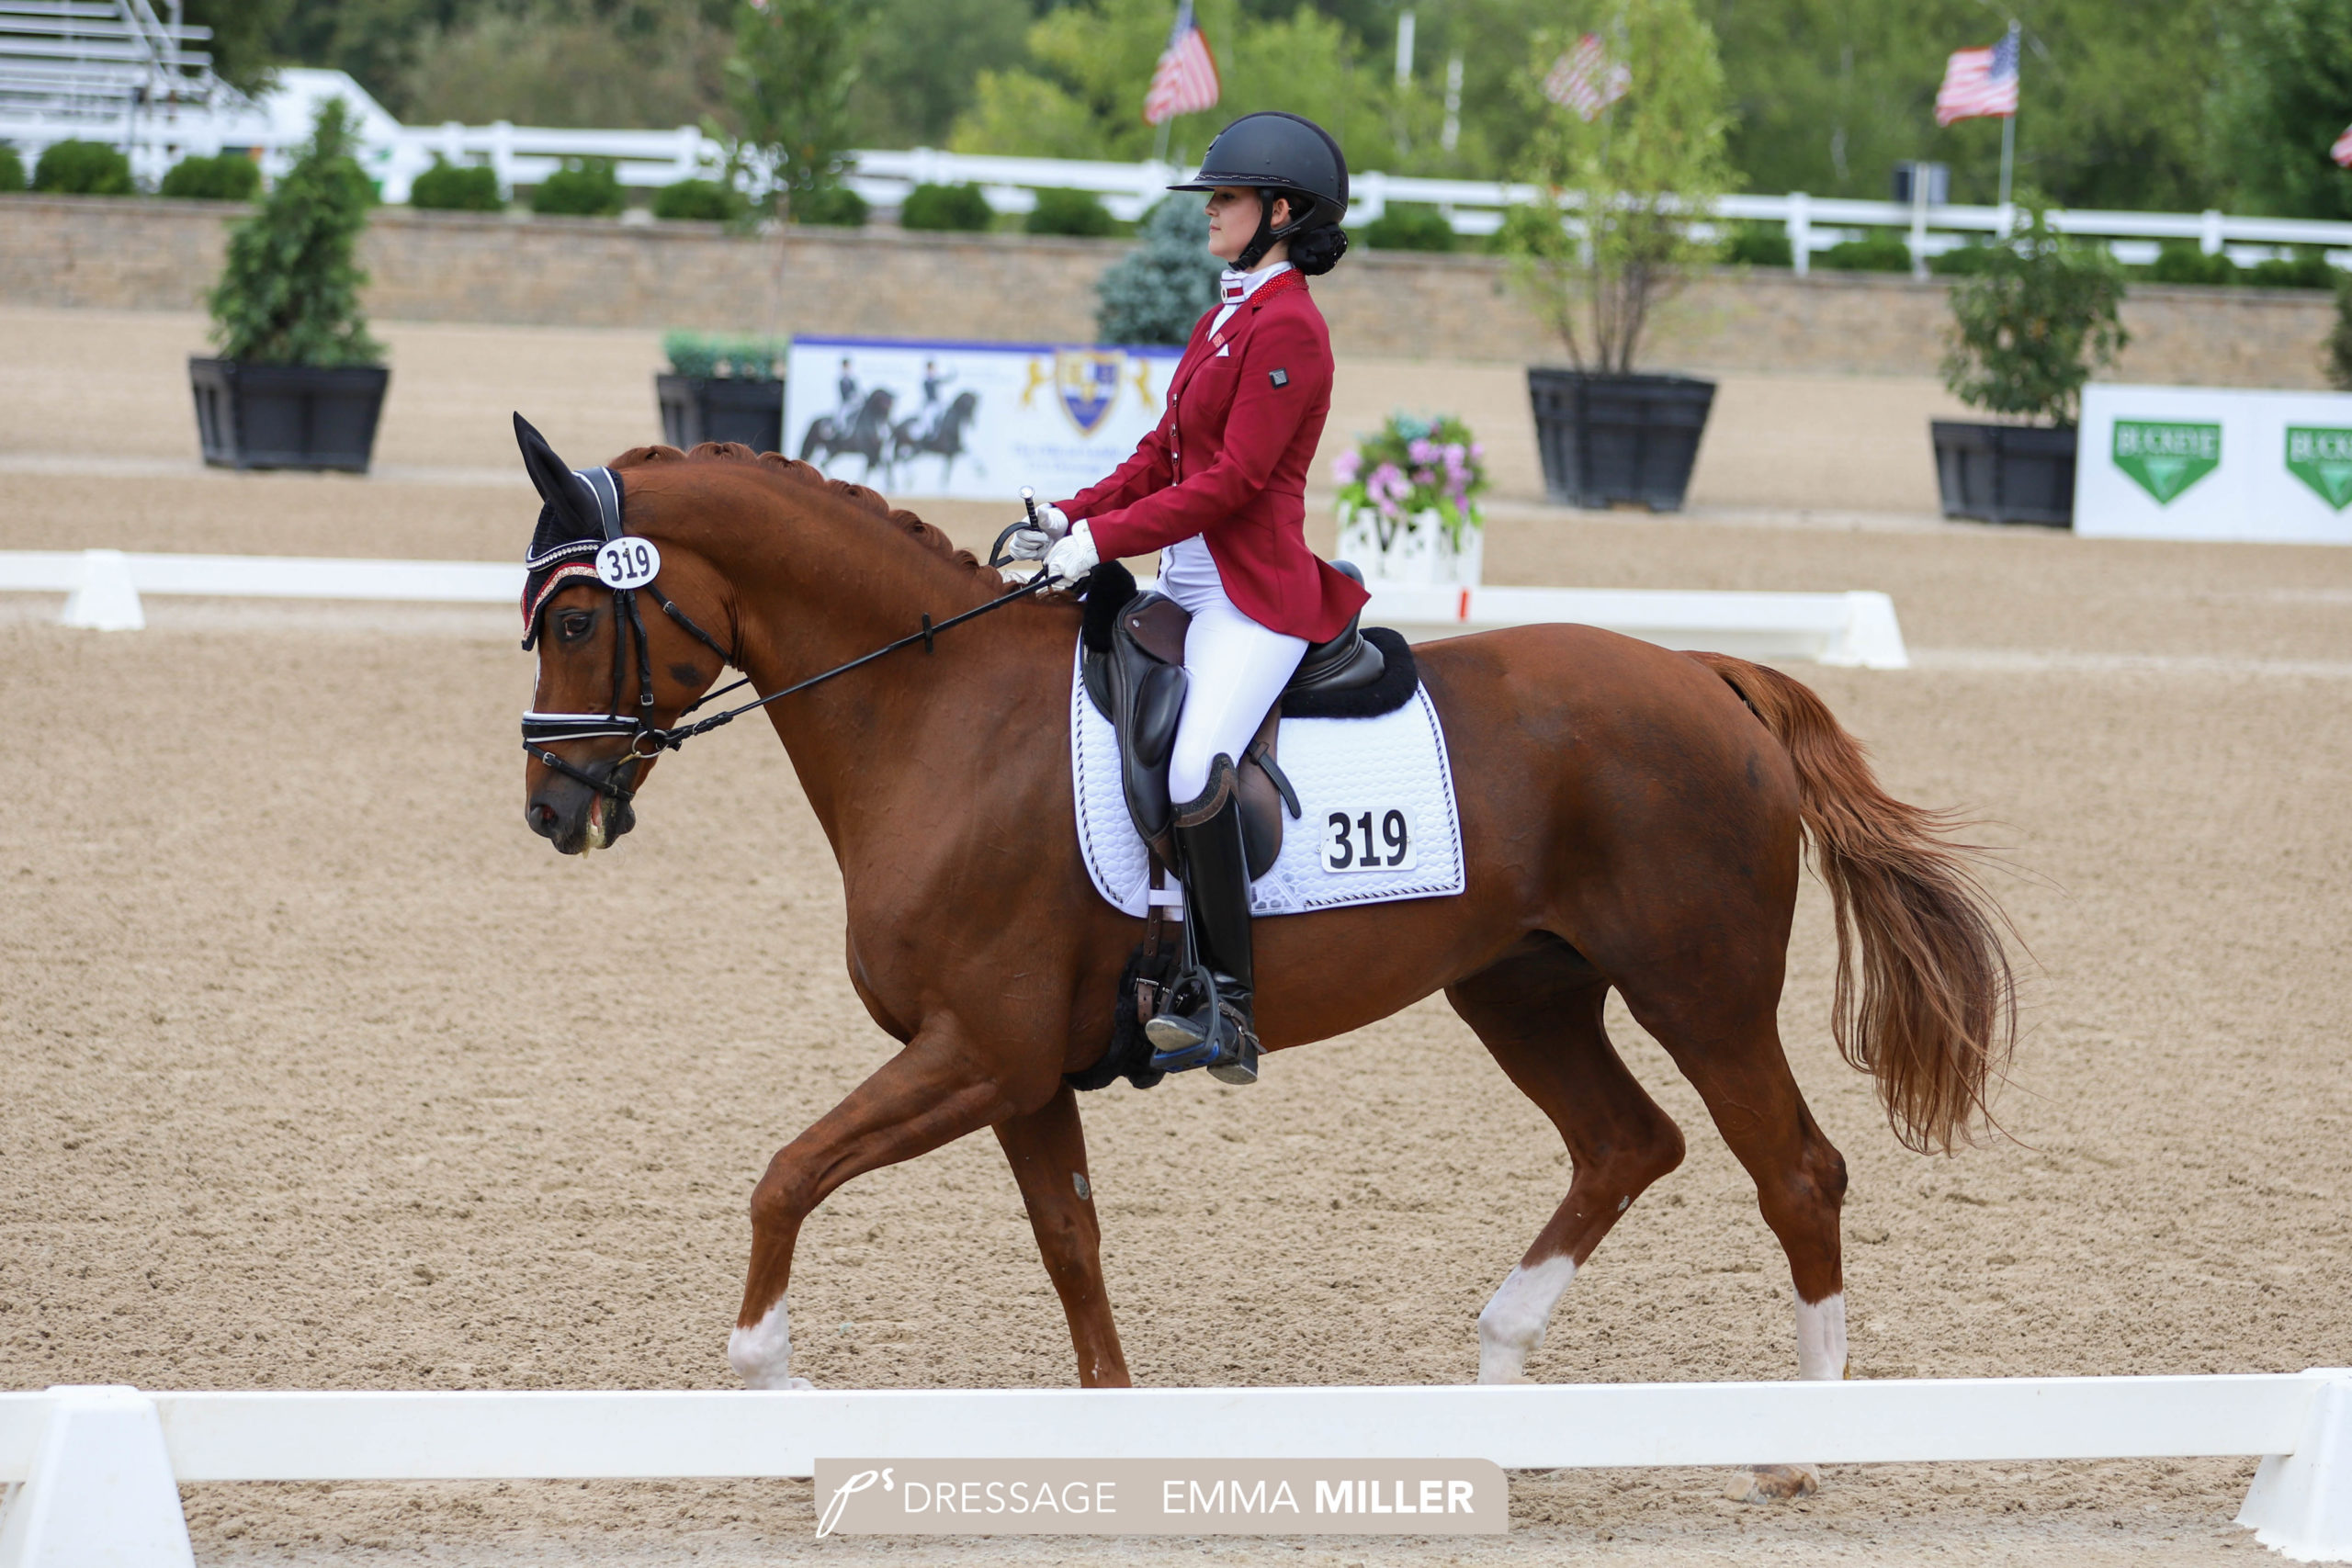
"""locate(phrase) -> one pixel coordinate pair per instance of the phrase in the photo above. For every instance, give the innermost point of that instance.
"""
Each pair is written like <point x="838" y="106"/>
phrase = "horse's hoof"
<point x="1775" y="1483"/>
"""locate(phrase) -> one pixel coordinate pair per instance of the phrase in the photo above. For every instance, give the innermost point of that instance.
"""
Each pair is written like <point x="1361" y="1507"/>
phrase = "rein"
<point x="648" y="740"/>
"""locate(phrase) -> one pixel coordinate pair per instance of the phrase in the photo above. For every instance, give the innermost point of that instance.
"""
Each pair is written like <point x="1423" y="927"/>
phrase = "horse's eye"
<point x="574" y="625"/>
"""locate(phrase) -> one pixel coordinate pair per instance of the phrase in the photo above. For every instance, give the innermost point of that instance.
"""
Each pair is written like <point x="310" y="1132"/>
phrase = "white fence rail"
<point x="100" y="1462"/>
<point x="104" y="591"/>
<point x="396" y="153"/>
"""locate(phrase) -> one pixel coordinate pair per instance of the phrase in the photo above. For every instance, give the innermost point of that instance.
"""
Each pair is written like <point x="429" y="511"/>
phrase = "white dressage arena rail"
<point x="102" y="591"/>
<point x="101" y="1465"/>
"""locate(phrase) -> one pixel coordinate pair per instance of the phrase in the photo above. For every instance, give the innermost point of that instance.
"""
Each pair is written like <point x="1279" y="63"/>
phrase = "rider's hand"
<point x="1074" y="556"/>
<point x="1027" y="543"/>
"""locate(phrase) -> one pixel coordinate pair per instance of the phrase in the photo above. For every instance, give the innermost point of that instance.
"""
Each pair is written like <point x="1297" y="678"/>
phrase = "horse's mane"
<point x="780" y="470"/>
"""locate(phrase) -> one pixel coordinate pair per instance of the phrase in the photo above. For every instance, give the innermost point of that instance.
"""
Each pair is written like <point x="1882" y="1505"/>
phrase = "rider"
<point x="932" y="410"/>
<point x="846" y="414"/>
<point x="1220" y="488"/>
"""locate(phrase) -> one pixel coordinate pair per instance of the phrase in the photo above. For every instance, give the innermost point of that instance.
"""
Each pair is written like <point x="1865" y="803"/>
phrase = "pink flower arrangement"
<point x="1416" y="465"/>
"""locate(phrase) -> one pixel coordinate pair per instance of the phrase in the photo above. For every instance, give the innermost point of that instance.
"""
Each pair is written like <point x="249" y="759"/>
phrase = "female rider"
<point x="1220" y="488"/>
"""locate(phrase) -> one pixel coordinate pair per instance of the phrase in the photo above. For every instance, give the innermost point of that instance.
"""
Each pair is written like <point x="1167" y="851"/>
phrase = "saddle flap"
<point x="1156" y="624"/>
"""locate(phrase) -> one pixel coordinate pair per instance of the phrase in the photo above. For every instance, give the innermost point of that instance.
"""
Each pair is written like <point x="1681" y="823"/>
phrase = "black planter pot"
<point x="1611" y="438"/>
<point x="2006" y="473"/>
<point x="695" y="409"/>
<point x="287" y="416"/>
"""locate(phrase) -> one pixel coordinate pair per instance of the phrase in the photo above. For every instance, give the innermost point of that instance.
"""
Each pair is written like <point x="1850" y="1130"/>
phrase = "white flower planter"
<point x="1416" y="552"/>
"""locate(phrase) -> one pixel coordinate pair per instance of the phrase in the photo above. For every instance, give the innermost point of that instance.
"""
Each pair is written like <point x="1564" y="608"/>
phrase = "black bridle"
<point x="647" y="740"/>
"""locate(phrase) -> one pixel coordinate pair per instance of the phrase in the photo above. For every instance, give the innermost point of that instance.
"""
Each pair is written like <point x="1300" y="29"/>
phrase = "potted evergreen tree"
<point x="2026" y="330"/>
<point x="722" y="389"/>
<point x="299" y="383"/>
<point x="1627" y="150"/>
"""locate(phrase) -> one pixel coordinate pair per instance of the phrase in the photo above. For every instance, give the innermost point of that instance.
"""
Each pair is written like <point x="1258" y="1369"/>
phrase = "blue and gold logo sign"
<point x="1088" y="382"/>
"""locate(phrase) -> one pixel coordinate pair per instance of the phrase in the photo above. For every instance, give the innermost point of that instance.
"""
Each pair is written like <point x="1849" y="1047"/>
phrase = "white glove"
<point x="1074" y="556"/>
<point x="1031" y="544"/>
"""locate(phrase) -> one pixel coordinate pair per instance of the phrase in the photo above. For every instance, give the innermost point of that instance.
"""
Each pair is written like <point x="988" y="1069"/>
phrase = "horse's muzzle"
<point x="575" y="818"/>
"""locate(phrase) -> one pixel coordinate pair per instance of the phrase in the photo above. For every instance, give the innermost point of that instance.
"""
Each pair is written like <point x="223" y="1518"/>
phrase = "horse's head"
<point x="625" y="643"/>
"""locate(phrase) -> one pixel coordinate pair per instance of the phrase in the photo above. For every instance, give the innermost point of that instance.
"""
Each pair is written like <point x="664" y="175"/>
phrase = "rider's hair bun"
<point x="1318" y="251"/>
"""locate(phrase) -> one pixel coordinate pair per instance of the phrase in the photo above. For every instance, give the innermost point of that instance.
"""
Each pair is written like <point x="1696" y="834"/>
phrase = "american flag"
<point x="2342" y="150"/>
<point x="1586" y="80"/>
<point x="1186" y="79"/>
<point x="1980" y="83"/>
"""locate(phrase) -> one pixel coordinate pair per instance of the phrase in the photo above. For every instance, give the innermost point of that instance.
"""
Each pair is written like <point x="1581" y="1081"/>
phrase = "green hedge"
<point x="1407" y="227"/>
<point x="1078" y="212"/>
<point x="12" y="168"/>
<point x="583" y="188"/>
<point x="457" y="187"/>
<point x="836" y="207"/>
<point x="2307" y="268"/>
<point x="697" y="201"/>
<point x="743" y="358"/>
<point x="231" y="176"/>
<point x="82" y="168"/>
<point x="1879" y="250"/>
<point x="1759" y="245"/>
<point x="958" y="208"/>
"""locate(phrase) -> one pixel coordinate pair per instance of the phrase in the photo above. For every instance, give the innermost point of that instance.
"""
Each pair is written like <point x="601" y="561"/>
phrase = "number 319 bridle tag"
<point x="628" y="563"/>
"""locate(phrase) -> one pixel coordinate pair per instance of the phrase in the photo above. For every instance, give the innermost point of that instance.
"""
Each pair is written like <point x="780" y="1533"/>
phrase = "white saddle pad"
<point x="1377" y="819"/>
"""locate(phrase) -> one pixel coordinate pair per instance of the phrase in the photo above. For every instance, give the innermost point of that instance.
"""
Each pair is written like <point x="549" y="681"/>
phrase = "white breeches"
<point x="1234" y="670"/>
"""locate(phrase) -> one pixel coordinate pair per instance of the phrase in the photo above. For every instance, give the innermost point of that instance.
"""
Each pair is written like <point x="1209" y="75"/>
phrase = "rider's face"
<point x="1232" y="220"/>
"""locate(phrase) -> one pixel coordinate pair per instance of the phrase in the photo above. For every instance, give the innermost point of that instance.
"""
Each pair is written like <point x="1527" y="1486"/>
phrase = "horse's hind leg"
<point x="1726" y="1040"/>
<point x="1539" y="1011"/>
<point x="1046" y="1149"/>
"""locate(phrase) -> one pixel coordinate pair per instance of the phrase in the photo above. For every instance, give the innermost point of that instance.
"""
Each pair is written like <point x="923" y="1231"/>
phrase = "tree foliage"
<point x="1081" y="94"/>
<point x="289" y="292"/>
<point x="1611" y="237"/>
<point x="2029" y="329"/>
<point x="794" y="64"/>
<point x="2284" y="96"/>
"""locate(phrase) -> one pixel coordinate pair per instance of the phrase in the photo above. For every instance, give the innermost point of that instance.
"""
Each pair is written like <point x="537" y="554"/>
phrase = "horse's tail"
<point x="1935" y="1015"/>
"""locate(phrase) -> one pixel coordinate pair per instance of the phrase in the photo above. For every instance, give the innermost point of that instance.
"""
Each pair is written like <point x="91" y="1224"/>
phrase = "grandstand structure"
<point x="113" y="71"/>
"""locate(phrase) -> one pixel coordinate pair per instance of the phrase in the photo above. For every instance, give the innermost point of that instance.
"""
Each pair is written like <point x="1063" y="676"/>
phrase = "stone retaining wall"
<point x="137" y="254"/>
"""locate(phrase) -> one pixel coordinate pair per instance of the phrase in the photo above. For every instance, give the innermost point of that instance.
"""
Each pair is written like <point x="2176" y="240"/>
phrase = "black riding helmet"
<point x="1280" y="154"/>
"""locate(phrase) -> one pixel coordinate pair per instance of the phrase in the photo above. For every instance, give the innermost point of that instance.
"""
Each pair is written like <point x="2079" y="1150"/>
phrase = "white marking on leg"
<point x="1821" y="1338"/>
<point x="761" y="1354"/>
<point x="1512" y="1323"/>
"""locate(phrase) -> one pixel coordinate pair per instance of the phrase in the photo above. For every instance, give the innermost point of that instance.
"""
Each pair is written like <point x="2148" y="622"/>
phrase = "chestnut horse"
<point x="1631" y="818"/>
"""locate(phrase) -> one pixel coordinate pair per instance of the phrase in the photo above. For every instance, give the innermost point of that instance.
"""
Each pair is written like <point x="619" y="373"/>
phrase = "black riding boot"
<point x="1206" y="1022"/>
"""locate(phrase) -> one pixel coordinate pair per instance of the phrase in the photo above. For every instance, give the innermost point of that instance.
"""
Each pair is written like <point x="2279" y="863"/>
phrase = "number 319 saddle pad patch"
<point x="1377" y="818"/>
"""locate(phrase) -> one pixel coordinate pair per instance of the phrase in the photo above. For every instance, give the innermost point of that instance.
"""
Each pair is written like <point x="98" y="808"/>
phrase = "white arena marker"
<point x="106" y="598"/>
<point x="2301" y="1504"/>
<point x="100" y="1488"/>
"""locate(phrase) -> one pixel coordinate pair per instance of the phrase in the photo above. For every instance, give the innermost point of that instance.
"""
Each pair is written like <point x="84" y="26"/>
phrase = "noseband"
<point x="646" y="738"/>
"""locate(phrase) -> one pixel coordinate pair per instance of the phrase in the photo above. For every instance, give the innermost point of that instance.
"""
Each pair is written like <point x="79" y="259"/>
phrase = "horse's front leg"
<point x="1046" y="1149"/>
<point x="932" y="1093"/>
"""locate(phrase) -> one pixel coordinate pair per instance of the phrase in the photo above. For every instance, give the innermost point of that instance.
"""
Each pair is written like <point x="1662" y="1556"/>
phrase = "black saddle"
<point x="1134" y="676"/>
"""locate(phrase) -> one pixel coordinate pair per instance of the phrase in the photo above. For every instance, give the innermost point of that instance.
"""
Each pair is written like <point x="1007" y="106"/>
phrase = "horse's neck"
<point x="846" y="584"/>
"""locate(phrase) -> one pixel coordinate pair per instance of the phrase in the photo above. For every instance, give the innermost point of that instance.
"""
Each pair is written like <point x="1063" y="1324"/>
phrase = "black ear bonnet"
<point x="581" y="510"/>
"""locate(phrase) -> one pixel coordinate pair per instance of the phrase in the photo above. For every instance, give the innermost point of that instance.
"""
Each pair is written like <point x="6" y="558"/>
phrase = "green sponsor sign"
<point x="2165" y="458"/>
<point x="2321" y="458"/>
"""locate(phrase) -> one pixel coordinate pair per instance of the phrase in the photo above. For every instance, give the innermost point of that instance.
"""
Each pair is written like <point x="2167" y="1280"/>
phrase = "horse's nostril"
<point x="542" y="818"/>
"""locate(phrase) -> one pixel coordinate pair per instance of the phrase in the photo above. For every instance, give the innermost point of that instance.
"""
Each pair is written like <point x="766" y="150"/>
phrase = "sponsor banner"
<point x="972" y="421"/>
<point x="2213" y="463"/>
<point x="1183" y="1497"/>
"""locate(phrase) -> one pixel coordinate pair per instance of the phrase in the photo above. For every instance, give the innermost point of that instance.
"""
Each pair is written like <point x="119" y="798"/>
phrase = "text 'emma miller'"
<point x="1239" y="1496"/>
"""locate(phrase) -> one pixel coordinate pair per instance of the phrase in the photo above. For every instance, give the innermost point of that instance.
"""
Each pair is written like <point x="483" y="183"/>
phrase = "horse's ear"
<point x="550" y="475"/>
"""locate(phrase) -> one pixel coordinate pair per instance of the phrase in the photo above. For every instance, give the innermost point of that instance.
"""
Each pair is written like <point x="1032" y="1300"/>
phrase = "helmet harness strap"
<point x="1268" y="236"/>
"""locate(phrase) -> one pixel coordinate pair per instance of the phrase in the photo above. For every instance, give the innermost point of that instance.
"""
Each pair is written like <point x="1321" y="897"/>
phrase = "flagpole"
<point x="2009" y="125"/>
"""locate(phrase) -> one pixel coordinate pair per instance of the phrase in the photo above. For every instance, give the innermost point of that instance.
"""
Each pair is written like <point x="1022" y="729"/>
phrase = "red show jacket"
<point x="1228" y="462"/>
